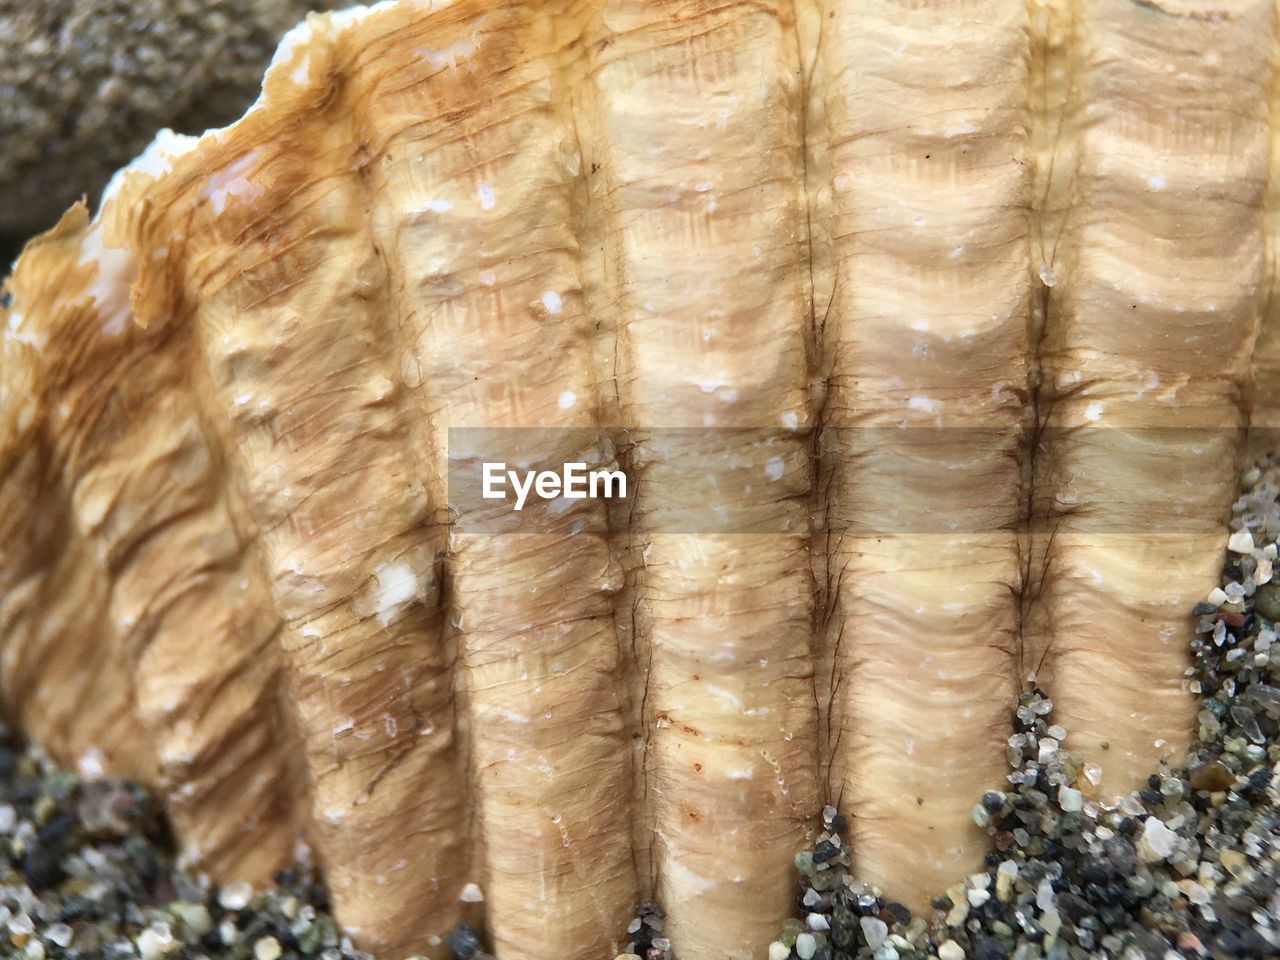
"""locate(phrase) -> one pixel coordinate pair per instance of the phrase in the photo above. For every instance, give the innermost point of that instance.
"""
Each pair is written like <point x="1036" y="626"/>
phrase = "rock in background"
<point x="85" y="84"/>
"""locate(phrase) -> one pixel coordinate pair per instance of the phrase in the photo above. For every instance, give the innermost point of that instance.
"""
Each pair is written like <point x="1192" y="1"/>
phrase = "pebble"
<point x="195" y="916"/>
<point x="60" y="934"/>
<point x="267" y="948"/>
<point x="874" y="931"/>
<point x="235" y="896"/>
<point x="1240" y="542"/>
<point x="1158" y="841"/>
<point x="463" y="942"/>
<point x="806" y="946"/>
<point x="154" y="943"/>
<point x="978" y="897"/>
<point x="950" y="950"/>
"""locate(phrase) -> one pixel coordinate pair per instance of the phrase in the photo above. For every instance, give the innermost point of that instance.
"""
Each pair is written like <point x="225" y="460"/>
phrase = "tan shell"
<point x="989" y="274"/>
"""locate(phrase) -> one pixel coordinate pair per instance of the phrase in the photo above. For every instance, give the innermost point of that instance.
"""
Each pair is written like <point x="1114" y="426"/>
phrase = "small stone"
<point x="1211" y="777"/>
<point x="235" y="896"/>
<point x="462" y="940"/>
<point x="42" y="866"/>
<point x="1045" y="896"/>
<point x="1266" y="601"/>
<point x="1233" y="860"/>
<point x="1194" y="892"/>
<point x="979" y="881"/>
<point x="950" y="950"/>
<point x="824" y="851"/>
<point x="1004" y="888"/>
<point x="1158" y="841"/>
<point x="267" y="948"/>
<point x="1267" y="697"/>
<point x="471" y="893"/>
<point x="874" y="931"/>
<point x="1070" y="799"/>
<point x="1051" y="920"/>
<point x="777" y="951"/>
<point x="194" y="916"/>
<point x="60" y="934"/>
<point x="1240" y="542"/>
<point x="1188" y="941"/>
<point x="153" y="943"/>
<point x="806" y="946"/>
<point x="978" y="897"/>
<point x="899" y="912"/>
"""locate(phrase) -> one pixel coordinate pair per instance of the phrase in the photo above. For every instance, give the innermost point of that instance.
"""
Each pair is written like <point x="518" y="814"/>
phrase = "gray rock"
<point x="85" y="84"/>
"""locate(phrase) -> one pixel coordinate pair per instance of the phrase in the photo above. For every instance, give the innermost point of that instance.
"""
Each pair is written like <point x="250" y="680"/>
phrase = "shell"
<point x="926" y="333"/>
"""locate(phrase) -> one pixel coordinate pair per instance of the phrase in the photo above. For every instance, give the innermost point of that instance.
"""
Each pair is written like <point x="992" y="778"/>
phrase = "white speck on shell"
<point x="397" y="585"/>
